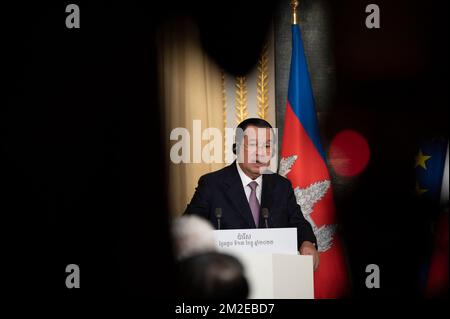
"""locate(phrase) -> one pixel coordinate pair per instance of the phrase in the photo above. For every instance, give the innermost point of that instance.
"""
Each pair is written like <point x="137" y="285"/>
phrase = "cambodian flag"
<point x="304" y="164"/>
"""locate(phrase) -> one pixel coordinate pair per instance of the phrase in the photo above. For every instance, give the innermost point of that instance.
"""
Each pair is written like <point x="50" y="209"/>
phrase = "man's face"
<point x="255" y="150"/>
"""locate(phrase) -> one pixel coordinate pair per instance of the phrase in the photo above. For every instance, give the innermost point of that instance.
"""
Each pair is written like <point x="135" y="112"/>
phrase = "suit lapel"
<point x="236" y="195"/>
<point x="266" y="197"/>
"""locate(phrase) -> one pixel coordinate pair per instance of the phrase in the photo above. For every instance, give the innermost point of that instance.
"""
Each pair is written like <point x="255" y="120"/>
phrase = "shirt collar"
<point x="245" y="179"/>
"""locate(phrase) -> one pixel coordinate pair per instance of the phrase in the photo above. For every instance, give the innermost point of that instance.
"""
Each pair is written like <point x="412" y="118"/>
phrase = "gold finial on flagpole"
<point x="294" y="6"/>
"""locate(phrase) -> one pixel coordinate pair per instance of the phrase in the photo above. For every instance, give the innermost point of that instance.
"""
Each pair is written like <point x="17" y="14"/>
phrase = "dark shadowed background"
<point x="83" y="172"/>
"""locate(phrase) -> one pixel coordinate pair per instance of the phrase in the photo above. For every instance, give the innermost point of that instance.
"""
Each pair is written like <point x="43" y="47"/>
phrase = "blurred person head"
<point x="212" y="275"/>
<point x="192" y="235"/>
<point x="255" y="146"/>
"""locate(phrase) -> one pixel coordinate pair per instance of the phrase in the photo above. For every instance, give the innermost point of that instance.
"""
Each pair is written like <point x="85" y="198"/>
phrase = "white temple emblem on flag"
<point x="307" y="198"/>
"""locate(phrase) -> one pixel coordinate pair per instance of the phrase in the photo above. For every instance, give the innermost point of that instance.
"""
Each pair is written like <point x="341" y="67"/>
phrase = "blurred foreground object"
<point x="212" y="276"/>
<point x="192" y="235"/>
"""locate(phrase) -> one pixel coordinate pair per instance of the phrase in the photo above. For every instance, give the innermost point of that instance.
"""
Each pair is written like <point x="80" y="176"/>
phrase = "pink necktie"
<point x="253" y="201"/>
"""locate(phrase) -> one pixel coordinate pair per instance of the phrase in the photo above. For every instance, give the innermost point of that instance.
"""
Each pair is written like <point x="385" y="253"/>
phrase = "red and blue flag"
<point x="304" y="163"/>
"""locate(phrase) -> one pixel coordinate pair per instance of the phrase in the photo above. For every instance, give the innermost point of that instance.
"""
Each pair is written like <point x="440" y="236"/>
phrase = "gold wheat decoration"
<point x="241" y="99"/>
<point x="262" y="85"/>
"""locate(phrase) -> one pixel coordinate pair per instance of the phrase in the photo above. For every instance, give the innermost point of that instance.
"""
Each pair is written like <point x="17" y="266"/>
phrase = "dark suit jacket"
<point x="223" y="189"/>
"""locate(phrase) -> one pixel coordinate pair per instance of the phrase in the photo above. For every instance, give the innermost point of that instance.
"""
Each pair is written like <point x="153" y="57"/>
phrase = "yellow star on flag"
<point x="419" y="190"/>
<point x="421" y="159"/>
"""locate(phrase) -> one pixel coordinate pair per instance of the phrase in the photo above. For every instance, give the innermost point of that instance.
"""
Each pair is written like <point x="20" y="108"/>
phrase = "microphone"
<point x="218" y="216"/>
<point x="265" y="214"/>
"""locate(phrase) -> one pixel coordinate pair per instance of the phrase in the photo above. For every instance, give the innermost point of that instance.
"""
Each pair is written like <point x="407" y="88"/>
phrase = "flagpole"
<point x="294" y="6"/>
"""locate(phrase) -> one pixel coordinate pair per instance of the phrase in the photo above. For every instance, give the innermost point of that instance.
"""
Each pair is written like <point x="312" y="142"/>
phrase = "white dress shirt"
<point x="246" y="180"/>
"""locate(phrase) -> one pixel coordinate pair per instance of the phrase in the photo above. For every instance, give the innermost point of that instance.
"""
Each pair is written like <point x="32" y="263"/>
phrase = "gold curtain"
<point x="191" y="89"/>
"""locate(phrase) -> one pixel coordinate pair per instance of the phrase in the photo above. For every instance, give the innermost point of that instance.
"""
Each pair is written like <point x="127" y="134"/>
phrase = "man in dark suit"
<point x="243" y="188"/>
